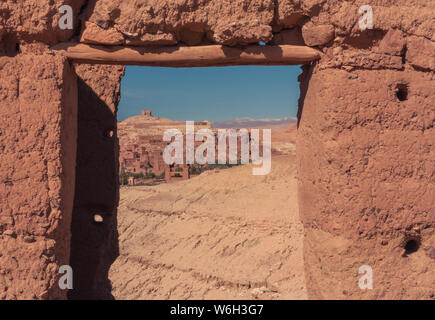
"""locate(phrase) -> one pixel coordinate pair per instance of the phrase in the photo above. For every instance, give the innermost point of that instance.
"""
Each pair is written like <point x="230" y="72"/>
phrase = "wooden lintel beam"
<point x="181" y="56"/>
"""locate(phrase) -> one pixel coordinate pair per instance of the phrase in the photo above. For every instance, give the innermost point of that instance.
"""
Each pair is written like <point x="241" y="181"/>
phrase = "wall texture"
<point x="94" y="246"/>
<point x="366" y="182"/>
<point x="38" y="133"/>
<point x="365" y="146"/>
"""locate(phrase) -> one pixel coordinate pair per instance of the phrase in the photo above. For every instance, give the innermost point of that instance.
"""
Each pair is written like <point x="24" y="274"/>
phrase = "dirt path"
<point x="221" y="235"/>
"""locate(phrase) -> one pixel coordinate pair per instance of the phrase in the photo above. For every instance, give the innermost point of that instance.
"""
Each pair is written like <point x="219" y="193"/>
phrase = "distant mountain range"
<point x="249" y="123"/>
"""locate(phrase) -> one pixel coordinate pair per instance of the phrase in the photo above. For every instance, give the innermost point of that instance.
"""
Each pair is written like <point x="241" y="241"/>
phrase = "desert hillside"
<point x="222" y="235"/>
<point x="148" y="125"/>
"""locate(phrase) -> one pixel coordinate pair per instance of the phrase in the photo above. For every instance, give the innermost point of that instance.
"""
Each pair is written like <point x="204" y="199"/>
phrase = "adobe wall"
<point x="365" y="158"/>
<point x="94" y="246"/>
<point x="366" y="182"/>
<point x="38" y="133"/>
<point x="365" y="153"/>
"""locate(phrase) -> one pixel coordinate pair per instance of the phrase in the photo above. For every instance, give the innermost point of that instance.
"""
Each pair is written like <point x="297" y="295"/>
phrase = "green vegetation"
<point x="193" y="170"/>
<point x="123" y="176"/>
<point x="201" y="169"/>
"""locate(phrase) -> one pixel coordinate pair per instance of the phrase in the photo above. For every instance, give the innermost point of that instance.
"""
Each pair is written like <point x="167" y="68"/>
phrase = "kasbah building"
<point x="143" y="154"/>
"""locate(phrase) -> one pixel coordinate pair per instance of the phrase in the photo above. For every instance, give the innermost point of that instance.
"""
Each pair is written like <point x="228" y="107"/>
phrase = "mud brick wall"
<point x="366" y="182"/>
<point x="38" y="134"/>
<point x="94" y="246"/>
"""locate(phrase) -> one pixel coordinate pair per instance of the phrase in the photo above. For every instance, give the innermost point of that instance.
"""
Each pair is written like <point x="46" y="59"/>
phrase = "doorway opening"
<point x="198" y="231"/>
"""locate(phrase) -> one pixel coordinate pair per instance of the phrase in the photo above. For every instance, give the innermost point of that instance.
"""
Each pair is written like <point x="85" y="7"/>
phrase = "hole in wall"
<point x="9" y="46"/>
<point x="411" y="244"/>
<point x="109" y="133"/>
<point x="98" y="218"/>
<point x="402" y="91"/>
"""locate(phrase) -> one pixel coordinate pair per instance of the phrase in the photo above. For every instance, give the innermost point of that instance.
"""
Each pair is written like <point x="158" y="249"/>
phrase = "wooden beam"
<point x="181" y="56"/>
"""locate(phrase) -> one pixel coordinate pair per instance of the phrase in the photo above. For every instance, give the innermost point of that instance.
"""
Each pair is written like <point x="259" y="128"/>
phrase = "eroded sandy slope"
<point x="221" y="235"/>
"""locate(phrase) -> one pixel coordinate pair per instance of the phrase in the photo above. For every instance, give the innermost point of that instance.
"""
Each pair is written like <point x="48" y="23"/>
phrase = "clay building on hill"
<point x="142" y="158"/>
<point x="177" y="172"/>
<point x="147" y="113"/>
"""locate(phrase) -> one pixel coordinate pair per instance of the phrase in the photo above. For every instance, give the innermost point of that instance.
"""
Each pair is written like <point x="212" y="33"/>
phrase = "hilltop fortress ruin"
<point x="365" y="146"/>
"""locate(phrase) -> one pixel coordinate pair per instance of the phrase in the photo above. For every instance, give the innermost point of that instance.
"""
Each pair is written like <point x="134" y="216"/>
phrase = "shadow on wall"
<point x="94" y="235"/>
<point x="304" y="80"/>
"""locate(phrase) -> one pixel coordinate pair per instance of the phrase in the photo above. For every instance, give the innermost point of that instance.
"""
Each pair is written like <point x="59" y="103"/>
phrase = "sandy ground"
<point x="221" y="235"/>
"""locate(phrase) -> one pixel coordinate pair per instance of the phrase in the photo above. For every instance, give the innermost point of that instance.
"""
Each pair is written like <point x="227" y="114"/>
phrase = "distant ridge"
<point x="145" y="125"/>
<point x="248" y="122"/>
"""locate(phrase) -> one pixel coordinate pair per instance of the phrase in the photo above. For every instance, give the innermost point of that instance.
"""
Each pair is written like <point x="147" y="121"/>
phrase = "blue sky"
<point x="215" y="94"/>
